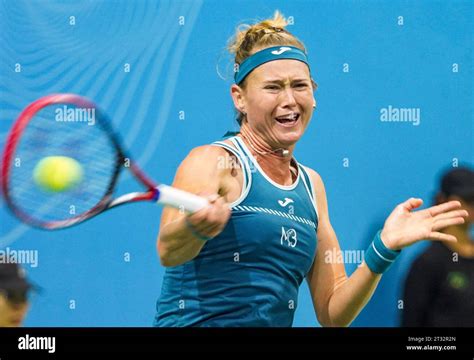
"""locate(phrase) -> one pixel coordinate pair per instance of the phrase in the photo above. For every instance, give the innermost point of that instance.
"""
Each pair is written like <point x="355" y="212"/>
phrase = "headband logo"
<point x="281" y="50"/>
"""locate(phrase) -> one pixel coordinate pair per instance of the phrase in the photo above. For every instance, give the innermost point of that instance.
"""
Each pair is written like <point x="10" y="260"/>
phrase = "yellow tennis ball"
<point x="58" y="173"/>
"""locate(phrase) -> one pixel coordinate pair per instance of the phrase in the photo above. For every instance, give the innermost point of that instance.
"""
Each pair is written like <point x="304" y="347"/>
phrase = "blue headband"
<point x="266" y="55"/>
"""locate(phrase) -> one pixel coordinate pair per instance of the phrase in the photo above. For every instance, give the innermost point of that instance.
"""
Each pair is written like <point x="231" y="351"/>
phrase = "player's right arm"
<point x="200" y="174"/>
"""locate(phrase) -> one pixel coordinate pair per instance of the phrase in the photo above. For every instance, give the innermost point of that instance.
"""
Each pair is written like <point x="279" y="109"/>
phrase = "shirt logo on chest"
<point x="285" y="202"/>
<point x="288" y="237"/>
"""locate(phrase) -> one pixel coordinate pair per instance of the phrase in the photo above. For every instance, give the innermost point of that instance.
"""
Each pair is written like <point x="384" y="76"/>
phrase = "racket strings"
<point x="86" y="142"/>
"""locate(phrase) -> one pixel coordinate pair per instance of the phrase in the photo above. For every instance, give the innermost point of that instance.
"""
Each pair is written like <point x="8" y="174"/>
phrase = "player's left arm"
<point x="337" y="299"/>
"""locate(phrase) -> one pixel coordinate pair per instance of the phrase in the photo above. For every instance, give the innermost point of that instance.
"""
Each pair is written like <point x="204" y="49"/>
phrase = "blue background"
<point x="173" y="70"/>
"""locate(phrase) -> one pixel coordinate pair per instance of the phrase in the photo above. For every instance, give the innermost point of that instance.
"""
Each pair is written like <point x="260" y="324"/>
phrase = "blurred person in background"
<point x="439" y="290"/>
<point x="14" y="291"/>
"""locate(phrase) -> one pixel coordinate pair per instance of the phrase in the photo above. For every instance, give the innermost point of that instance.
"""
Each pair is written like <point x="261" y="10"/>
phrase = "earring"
<point x="314" y="105"/>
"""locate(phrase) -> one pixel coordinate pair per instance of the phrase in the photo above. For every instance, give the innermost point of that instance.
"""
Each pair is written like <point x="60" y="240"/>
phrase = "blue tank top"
<point x="248" y="275"/>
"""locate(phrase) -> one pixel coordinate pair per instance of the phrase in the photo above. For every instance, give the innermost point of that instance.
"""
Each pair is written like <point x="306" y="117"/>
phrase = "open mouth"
<point x="288" y="119"/>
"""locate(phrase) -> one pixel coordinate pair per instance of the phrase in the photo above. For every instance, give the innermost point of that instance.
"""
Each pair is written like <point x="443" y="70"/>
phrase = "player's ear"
<point x="238" y="97"/>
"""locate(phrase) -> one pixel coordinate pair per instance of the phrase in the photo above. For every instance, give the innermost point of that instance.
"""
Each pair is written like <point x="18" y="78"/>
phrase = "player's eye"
<point x="271" y="87"/>
<point x="301" y="85"/>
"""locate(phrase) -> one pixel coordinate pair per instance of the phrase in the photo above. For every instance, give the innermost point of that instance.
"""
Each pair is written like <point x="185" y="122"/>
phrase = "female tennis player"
<point x="241" y="260"/>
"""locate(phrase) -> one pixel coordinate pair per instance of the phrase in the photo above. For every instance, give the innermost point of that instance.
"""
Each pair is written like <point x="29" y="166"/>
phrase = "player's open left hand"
<point x="404" y="226"/>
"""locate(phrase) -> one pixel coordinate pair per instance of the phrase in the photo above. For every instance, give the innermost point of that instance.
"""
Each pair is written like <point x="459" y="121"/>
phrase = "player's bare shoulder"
<point x="316" y="179"/>
<point x="213" y="167"/>
<point x="203" y="161"/>
<point x="319" y="192"/>
<point x="233" y="179"/>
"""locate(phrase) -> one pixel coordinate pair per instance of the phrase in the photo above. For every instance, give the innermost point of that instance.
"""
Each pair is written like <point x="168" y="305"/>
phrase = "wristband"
<point x="378" y="257"/>
<point x="195" y="232"/>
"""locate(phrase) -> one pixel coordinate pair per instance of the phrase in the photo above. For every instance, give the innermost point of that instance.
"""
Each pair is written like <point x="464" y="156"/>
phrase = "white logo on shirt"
<point x="285" y="202"/>
<point x="281" y="50"/>
<point x="288" y="236"/>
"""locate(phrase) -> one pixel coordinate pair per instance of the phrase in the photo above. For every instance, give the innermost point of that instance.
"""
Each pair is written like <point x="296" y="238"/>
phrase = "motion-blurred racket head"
<point x="64" y="125"/>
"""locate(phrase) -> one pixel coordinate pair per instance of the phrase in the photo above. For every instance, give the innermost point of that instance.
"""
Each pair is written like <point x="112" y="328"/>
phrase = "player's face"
<point x="11" y="314"/>
<point x="279" y="101"/>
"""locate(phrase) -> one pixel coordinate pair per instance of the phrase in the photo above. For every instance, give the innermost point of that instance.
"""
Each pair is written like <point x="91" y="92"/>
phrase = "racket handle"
<point x="180" y="199"/>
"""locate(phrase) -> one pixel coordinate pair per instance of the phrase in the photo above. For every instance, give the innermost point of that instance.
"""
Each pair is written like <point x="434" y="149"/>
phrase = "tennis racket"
<point x="73" y="126"/>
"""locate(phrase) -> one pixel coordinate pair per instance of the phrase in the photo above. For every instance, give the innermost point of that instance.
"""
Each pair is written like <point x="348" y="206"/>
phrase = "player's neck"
<point x="465" y="245"/>
<point x="275" y="162"/>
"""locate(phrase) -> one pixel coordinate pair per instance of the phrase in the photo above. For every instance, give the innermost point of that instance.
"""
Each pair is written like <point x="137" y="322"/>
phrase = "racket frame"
<point x="107" y="201"/>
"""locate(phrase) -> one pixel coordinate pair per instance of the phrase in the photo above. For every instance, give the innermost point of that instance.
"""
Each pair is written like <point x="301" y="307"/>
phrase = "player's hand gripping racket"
<point x="67" y="126"/>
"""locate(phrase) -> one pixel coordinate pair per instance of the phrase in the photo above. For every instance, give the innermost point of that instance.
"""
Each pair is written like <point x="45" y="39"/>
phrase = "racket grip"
<point x="180" y="199"/>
